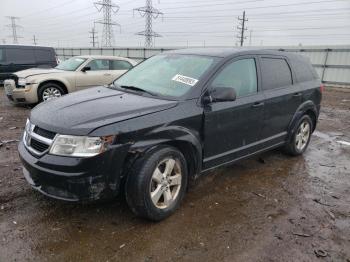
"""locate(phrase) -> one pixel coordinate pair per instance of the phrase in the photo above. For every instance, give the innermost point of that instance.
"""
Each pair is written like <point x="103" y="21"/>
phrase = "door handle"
<point x="106" y="74"/>
<point x="297" y="94"/>
<point x="258" y="104"/>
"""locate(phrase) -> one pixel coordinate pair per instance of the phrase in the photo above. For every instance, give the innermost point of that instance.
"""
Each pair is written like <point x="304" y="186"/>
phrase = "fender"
<point x="62" y="80"/>
<point x="185" y="139"/>
<point x="301" y="110"/>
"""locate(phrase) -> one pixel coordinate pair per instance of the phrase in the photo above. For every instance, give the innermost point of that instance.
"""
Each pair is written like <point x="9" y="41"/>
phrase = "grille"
<point x="38" y="146"/>
<point x="44" y="133"/>
<point x="37" y="140"/>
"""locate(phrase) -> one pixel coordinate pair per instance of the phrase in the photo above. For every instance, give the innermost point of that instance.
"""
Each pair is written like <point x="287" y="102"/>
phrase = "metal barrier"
<point x="332" y="64"/>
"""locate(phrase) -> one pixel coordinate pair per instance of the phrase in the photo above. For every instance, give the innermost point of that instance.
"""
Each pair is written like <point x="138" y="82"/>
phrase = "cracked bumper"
<point x="75" y="179"/>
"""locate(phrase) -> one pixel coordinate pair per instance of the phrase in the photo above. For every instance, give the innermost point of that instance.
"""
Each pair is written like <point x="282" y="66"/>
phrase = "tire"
<point x="49" y="91"/>
<point x="300" y="139"/>
<point x="149" y="177"/>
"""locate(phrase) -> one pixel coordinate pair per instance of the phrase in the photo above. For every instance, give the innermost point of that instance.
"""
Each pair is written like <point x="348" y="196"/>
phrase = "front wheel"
<point x="157" y="183"/>
<point x="301" y="137"/>
<point x="50" y="91"/>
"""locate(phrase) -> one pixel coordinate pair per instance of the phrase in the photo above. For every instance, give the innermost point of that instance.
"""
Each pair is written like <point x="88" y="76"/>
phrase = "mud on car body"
<point x="167" y="120"/>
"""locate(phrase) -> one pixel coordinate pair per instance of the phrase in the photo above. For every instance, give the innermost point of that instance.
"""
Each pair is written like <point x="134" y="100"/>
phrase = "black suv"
<point x="15" y="58"/>
<point x="168" y="120"/>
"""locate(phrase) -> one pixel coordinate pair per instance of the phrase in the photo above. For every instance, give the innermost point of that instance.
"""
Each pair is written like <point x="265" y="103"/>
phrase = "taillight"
<point x="322" y="88"/>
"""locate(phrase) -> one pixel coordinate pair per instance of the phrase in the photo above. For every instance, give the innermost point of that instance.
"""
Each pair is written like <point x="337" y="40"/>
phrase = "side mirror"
<point x="86" y="68"/>
<point x="223" y="94"/>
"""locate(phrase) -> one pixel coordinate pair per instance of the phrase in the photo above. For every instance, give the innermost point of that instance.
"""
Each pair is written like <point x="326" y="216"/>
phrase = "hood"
<point x="82" y="112"/>
<point x="38" y="71"/>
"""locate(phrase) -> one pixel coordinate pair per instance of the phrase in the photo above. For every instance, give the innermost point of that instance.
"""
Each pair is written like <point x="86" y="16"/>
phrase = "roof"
<point x="103" y="57"/>
<point x="26" y="46"/>
<point x="225" y="52"/>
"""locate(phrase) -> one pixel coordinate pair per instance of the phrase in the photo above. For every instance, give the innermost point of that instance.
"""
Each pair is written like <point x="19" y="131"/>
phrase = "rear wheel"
<point x="50" y="91"/>
<point x="157" y="183"/>
<point x="301" y="137"/>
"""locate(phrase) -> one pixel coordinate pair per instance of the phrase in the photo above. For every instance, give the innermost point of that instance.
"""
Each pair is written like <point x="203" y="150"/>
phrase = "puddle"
<point x="343" y="142"/>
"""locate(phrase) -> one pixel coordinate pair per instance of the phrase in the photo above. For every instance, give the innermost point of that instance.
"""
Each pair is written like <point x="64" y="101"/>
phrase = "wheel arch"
<point x="55" y="81"/>
<point x="186" y="142"/>
<point x="309" y="108"/>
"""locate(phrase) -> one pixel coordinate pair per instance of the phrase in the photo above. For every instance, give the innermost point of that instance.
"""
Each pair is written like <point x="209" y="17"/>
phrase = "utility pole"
<point x="93" y="37"/>
<point x="242" y="28"/>
<point x="150" y="13"/>
<point x="34" y="40"/>
<point x="108" y="8"/>
<point x="250" y="37"/>
<point x="14" y="27"/>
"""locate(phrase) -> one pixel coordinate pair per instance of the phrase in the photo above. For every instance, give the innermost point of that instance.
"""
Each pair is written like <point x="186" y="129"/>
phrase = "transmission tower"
<point x="14" y="27"/>
<point x="242" y="28"/>
<point x="108" y="8"/>
<point x="93" y="37"/>
<point x="150" y="13"/>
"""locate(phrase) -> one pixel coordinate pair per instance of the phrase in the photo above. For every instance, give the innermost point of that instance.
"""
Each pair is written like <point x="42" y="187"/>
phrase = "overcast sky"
<point x="185" y="22"/>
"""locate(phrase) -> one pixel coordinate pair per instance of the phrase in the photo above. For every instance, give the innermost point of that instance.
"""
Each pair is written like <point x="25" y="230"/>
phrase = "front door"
<point x="232" y="129"/>
<point x="95" y="76"/>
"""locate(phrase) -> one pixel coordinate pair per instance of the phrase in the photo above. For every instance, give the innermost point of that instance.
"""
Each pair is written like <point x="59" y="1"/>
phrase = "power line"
<point x="242" y="28"/>
<point x="50" y="8"/>
<point x="150" y="13"/>
<point x="245" y="2"/>
<point x="108" y="8"/>
<point x="14" y="27"/>
<point x="93" y="37"/>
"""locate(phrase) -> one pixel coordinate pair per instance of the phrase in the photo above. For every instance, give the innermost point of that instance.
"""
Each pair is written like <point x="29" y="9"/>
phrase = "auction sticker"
<point x="185" y="80"/>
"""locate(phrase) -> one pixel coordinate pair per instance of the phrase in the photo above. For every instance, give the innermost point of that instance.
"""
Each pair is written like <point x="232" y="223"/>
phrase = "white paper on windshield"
<point x="185" y="80"/>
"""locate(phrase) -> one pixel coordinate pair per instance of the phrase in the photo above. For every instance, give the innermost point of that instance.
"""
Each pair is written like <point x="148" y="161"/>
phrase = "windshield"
<point x="167" y="75"/>
<point x="71" y="64"/>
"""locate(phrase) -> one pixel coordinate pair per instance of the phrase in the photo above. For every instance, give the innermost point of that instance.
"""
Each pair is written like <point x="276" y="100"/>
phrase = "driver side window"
<point x="240" y="75"/>
<point x="99" y="64"/>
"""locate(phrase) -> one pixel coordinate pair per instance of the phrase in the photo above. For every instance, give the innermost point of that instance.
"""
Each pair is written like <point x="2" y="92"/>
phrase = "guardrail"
<point x="332" y="64"/>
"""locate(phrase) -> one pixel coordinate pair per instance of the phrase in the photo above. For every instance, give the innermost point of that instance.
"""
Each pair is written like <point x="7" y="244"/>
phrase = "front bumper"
<point x="72" y="178"/>
<point x="27" y="95"/>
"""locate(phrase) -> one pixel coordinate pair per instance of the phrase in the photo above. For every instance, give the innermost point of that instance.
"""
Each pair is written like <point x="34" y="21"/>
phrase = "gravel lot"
<point x="268" y="208"/>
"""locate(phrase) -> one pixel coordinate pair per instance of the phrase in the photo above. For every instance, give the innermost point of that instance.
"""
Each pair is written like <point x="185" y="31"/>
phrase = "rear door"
<point x="232" y="129"/>
<point x="282" y="97"/>
<point x="44" y="57"/>
<point x="3" y="65"/>
<point x="118" y="67"/>
<point x="96" y="76"/>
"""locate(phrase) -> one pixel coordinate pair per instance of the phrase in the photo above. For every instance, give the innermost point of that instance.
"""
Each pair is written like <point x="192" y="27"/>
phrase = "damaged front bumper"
<point x="73" y="178"/>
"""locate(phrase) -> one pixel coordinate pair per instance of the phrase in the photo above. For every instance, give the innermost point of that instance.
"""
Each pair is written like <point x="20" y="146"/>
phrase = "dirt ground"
<point x="269" y="208"/>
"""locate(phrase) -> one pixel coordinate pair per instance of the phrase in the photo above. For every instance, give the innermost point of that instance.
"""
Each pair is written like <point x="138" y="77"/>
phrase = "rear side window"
<point x="43" y="55"/>
<point x="303" y="71"/>
<point x="18" y="55"/>
<point x="120" y="65"/>
<point x="240" y="75"/>
<point x="275" y="73"/>
<point x="2" y="55"/>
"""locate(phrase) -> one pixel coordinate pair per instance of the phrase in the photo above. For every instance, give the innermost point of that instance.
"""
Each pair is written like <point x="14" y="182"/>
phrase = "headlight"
<point x="79" y="146"/>
<point x="22" y="81"/>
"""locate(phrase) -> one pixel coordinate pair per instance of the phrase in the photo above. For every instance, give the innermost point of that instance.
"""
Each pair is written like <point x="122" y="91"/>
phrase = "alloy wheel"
<point x="302" y="136"/>
<point x="50" y="93"/>
<point x="166" y="183"/>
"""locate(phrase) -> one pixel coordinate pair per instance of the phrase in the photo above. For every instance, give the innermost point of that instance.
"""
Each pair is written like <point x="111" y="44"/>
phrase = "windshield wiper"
<point x="138" y="89"/>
